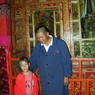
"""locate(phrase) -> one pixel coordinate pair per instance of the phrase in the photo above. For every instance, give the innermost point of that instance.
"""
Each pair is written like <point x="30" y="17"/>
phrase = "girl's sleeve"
<point x="35" y="87"/>
<point x="19" y="88"/>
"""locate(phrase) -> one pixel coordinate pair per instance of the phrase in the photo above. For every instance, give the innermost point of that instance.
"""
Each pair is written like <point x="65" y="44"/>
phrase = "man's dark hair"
<point x="43" y="27"/>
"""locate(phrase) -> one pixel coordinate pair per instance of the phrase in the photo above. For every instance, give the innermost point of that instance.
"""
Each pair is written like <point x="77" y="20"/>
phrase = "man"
<point x="52" y="58"/>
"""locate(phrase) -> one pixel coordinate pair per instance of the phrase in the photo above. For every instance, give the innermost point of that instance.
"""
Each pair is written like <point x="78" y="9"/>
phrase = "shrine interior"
<point x="70" y="20"/>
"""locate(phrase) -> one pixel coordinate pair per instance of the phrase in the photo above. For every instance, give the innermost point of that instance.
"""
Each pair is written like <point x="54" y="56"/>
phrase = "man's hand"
<point x="66" y="81"/>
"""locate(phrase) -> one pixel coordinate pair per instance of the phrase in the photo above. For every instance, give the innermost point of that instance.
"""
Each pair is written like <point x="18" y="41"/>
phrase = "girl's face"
<point x="24" y="66"/>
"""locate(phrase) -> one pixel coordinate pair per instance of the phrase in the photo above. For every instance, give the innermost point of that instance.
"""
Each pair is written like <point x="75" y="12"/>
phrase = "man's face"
<point x="42" y="37"/>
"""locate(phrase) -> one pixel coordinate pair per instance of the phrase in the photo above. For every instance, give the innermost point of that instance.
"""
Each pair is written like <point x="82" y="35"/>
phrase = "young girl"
<point x="26" y="81"/>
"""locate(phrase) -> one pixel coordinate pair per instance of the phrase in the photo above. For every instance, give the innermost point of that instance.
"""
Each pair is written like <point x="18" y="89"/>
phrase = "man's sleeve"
<point x="67" y="65"/>
<point x="33" y="59"/>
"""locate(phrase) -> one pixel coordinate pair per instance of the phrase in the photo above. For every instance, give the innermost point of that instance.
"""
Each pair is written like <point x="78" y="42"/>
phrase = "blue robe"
<point x="53" y="66"/>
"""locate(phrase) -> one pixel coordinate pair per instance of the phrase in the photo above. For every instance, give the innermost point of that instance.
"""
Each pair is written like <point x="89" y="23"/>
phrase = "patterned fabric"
<point x="4" y="86"/>
<point x="4" y="10"/>
<point x="5" y="38"/>
<point x="20" y="86"/>
<point x="4" y="19"/>
<point x="28" y="82"/>
<point x="80" y="88"/>
<point x="4" y="42"/>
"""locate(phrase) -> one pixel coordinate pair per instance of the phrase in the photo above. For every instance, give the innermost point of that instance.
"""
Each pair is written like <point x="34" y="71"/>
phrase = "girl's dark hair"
<point x="41" y="26"/>
<point x="24" y="59"/>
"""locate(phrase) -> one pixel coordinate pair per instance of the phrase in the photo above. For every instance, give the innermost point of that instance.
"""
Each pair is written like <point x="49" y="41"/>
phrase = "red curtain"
<point x="5" y="42"/>
<point x="5" y="36"/>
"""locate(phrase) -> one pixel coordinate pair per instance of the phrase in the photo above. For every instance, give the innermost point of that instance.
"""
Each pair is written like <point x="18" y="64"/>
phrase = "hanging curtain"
<point x="89" y="8"/>
<point x="5" y="41"/>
